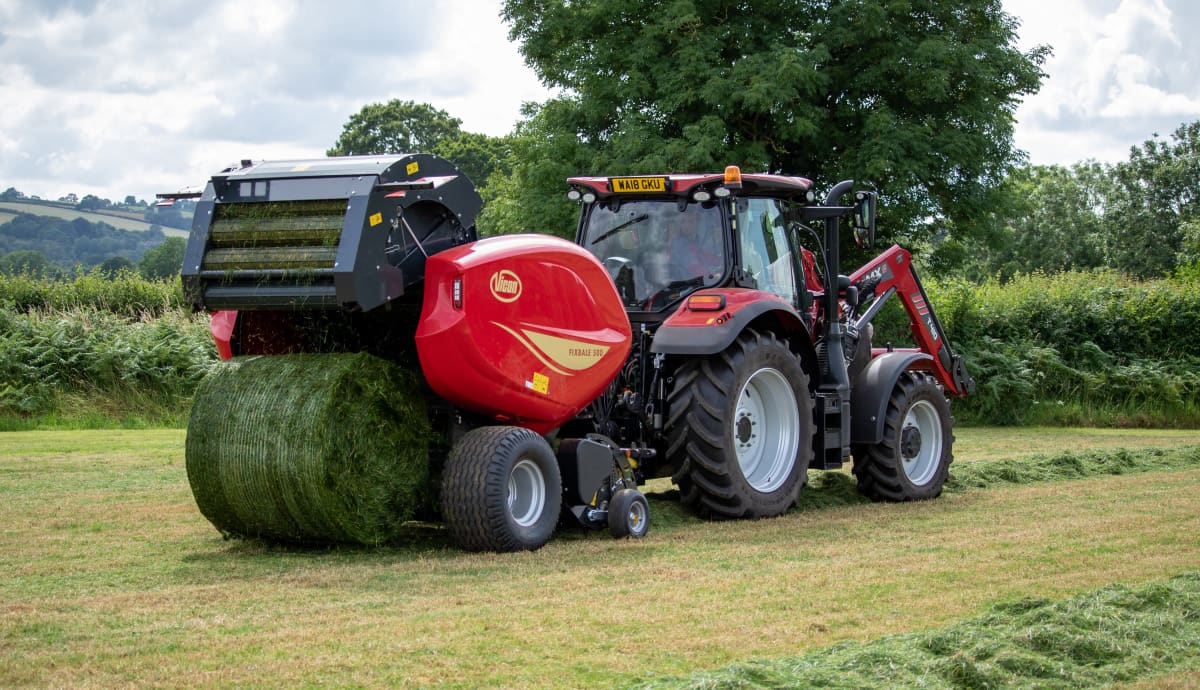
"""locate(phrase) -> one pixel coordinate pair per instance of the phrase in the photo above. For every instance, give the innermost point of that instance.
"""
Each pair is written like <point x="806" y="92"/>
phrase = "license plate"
<point x="637" y="185"/>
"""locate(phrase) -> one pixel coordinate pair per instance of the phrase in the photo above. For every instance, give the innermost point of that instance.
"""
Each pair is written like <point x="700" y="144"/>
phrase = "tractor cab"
<point x="665" y="237"/>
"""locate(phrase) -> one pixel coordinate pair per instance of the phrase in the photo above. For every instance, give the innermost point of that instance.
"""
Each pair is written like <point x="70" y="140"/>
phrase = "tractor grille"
<point x="272" y="254"/>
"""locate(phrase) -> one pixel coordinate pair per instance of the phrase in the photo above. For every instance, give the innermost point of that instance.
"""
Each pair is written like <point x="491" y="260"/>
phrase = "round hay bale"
<point x="310" y="448"/>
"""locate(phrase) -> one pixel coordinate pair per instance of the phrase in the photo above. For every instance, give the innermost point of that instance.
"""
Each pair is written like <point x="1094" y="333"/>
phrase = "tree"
<point x="477" y="155"/>
<point x="1156" y="199"/>
<point x="92" y="202"/>
<point x="916" y="97"/>
<point x="11" y="194"/>
<point x="25" y="261"/>
<point x="395" y="127"/>
<point x="408" y="127"/>
<point x="163" y="260"/>
<point x="115" y="265"/>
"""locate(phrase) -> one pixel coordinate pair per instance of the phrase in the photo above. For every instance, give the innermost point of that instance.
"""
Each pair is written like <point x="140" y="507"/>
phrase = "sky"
<point x="133" y="97"/>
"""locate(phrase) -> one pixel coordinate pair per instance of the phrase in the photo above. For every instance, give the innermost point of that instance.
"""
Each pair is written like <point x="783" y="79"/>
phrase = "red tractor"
<point x="687" y="333"/>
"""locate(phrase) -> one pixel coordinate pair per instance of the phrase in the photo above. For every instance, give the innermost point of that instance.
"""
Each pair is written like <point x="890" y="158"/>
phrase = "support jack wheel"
<point x="628" y="514"/>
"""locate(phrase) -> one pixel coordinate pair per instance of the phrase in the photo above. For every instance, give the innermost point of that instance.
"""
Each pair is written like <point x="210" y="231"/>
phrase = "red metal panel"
<point x="539" y="334"/>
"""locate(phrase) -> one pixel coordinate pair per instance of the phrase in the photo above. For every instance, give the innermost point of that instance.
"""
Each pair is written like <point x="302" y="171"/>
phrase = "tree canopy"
<point x="408" y="127"/>
<point x="915" y="97"/>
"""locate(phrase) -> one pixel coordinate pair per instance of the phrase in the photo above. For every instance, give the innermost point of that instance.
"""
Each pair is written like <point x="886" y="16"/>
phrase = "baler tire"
<point x="713" y="407"/>
<point x="628" y="514"/>
<point x="501" y="490"/>
<point x="888" y="471"/>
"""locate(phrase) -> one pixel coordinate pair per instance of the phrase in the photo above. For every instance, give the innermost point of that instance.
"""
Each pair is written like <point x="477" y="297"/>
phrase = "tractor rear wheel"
<point x="912" y="461"/>
<point x="740" y="429"/>
<point x="501" y="490"/>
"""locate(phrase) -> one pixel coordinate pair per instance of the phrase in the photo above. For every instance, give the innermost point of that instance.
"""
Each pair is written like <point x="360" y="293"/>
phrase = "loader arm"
<point x="892" y="274"/>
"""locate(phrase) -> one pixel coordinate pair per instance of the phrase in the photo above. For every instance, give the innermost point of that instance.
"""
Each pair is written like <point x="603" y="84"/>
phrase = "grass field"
<point x="112" y="577"/>
<point x="117" y="221"/>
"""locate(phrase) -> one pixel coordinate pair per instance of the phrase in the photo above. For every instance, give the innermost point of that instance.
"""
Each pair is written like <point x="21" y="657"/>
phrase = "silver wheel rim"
<point x="636" y="519"/>
<point x="526" y="493"/>
<point x="766" y="430"/>
<point x="921" y="466"/>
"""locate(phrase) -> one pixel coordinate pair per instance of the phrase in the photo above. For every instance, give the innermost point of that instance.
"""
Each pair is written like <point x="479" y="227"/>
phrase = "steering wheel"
<point x="614" y="264"/>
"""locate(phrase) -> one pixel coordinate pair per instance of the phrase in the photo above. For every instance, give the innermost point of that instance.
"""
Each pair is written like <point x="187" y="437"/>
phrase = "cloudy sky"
<point x="117" y="97"/>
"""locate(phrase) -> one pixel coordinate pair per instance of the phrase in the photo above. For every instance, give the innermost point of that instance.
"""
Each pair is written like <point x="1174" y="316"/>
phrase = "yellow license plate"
<point x="637" y="185"/>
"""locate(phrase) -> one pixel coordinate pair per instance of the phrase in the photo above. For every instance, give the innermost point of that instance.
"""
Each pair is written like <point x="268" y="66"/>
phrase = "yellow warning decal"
<point x="540" y="383"/>
<point x="302" y="167"/>
<point x="376" y="219"/>
<point x="412" y="168"/>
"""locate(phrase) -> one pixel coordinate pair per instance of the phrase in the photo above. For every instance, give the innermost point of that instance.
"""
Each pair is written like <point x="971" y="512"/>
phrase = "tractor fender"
<point x="689" y="332"/>
<point x="871" y="390"/>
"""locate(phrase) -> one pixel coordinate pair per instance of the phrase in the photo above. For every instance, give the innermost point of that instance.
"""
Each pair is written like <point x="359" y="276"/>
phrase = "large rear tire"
<point x="740" y="429"/>
<point x="912" y="461"/>
<point x="501" y="490"/>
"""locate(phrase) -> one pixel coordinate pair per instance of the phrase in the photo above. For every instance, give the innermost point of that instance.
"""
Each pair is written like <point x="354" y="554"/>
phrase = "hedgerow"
<point x="1071" y="348"/>
<point x="127" y="293"/>
<point x="47" y="355"/>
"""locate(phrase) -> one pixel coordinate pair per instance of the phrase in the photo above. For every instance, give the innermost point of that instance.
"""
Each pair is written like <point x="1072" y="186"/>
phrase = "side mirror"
<point x="864" y="218"/>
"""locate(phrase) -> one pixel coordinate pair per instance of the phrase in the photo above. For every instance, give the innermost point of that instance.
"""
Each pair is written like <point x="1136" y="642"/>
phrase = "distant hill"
<point x="131" y="221"/>
<point x="67" y="243"/>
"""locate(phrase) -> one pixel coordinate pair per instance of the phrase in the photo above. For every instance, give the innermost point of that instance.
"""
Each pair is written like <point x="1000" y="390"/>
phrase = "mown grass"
<point x="112" y="577"/>
<point x="1115" y="634"/>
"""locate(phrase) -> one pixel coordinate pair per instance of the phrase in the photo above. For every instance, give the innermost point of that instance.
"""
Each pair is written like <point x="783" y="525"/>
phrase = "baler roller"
<point x="350" y="233"/>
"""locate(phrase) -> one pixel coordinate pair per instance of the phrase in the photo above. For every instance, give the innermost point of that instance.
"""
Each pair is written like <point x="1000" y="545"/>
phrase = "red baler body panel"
<point x="537" y="331"/>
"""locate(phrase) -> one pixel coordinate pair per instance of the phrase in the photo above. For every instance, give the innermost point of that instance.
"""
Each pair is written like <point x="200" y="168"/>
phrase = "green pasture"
<point x="112" y="577"/>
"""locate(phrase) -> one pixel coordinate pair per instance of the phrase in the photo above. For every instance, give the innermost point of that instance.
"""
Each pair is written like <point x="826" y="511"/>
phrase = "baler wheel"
<point x="912" y="461"/>
<point x="628" y="514"/>
<point x="741" y="429"/>
<point x="501" y="490"/>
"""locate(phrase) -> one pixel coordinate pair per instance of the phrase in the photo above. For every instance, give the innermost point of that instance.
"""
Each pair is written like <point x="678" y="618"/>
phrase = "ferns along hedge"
<point x="110" y="350"/>
<point x="1077" y="348"/>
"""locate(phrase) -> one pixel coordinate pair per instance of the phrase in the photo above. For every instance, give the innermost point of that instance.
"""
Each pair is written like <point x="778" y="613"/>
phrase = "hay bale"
<point x="310" y="448"/>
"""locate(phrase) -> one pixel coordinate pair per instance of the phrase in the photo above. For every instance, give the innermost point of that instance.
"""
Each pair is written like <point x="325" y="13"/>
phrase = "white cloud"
<point x="119" y="97"/>
<point x="1121" y="71"/>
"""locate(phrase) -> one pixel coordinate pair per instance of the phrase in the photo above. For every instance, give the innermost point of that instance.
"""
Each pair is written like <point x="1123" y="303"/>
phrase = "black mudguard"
<point x="871" y="390"/>
<point x="709" y="340"/>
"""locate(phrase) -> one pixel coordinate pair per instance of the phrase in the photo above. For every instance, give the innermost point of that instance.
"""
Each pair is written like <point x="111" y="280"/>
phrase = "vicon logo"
<point x="506" y="286"/>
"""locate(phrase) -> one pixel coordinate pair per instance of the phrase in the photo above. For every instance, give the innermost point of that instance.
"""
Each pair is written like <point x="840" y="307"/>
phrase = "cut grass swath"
<point x="1114" y="634"/>
<point x="310" y="448"/>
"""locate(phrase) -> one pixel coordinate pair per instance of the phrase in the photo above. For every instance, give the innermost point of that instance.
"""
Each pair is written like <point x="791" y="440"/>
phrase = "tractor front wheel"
<point x="501" y="490"/>
<point x="740" y="429"/>
<point x="912" y="461"/>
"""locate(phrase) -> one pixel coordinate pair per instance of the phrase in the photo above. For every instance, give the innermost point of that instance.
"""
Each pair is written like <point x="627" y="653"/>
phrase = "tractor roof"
<point x="673" y="184"/>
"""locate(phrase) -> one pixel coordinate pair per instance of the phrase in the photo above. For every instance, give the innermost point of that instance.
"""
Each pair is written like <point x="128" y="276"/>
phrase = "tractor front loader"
<point x="686" y="333"/>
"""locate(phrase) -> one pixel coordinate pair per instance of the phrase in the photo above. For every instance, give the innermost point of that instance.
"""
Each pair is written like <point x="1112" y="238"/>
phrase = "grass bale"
<point x="310" y="448"/>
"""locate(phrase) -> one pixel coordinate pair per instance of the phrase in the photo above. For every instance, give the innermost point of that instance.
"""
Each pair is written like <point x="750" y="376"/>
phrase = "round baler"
<point x="387" y="365"/>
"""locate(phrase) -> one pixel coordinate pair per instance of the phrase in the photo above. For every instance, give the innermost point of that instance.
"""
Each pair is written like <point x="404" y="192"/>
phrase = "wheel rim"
<point x="526" y="493"/>
<point x="766" y="430"/>
<point x="921" y="442"/>
<point x="636" y="519"/>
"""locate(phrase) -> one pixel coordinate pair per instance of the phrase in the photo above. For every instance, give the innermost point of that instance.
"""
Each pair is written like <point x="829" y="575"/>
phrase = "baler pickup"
<point x="350" y="233"/>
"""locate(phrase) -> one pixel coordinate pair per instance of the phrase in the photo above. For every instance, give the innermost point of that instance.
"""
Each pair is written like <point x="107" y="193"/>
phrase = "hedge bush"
<point x="47" y="354"/>
<point x="127" y="293"/>
<point x="1073" y="348"/>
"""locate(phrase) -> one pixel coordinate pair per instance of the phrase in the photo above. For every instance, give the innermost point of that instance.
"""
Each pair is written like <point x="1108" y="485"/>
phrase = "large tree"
<point x="409" y="127"/>
<point x="1152" y="214"/>
<point x="913" y="96"/>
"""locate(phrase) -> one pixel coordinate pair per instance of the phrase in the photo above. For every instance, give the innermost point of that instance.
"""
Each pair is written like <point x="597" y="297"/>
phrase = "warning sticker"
<point x="412" y="168"/>
<point x="375" y="219"/>
<point x="540" y="383"/>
